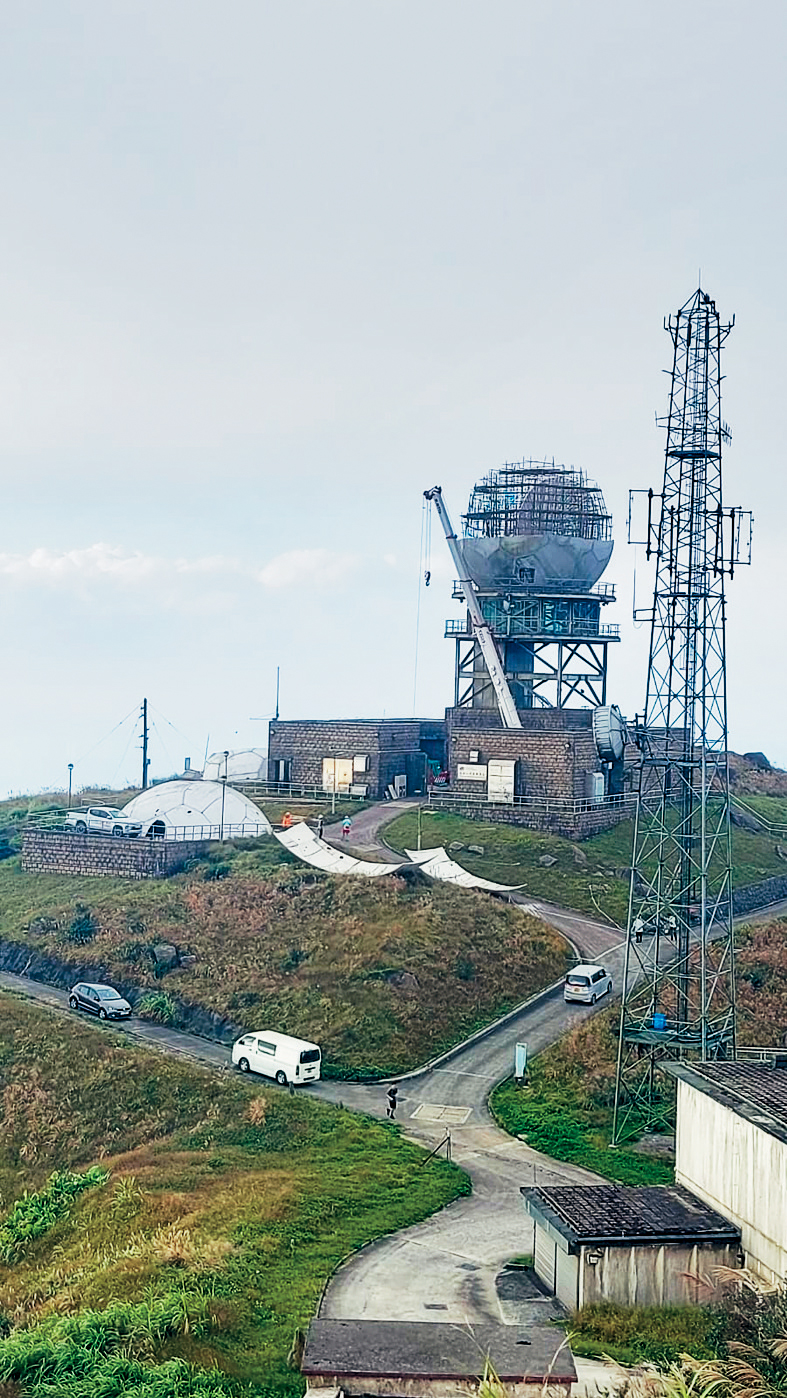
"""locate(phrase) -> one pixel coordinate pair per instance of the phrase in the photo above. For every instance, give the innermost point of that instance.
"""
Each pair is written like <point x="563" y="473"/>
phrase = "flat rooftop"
<point x="603" y="1214"/>
<point x="754" y="1091"/>
<point x="399" y="1349"/>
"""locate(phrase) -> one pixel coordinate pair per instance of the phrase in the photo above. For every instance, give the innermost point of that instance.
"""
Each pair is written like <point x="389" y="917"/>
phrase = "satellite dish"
<point x="609" y="732"/>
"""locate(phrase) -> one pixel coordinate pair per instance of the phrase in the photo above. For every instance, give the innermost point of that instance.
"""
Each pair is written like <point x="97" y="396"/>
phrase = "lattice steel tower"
<point x="679" y="984"/>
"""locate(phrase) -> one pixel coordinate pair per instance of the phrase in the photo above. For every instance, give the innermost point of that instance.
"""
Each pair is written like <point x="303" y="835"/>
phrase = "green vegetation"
<point x="592" y="877"/>
<point x="565" y="1109"/>
<point x="656" y="1334"/>
<point x="215" y="1217"/>
<point x="34" y="1214"/>
<point x="383" y="974"/>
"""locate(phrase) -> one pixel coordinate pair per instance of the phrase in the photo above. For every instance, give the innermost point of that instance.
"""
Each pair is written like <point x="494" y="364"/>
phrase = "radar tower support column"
<point x="679" y="979"/>
<point x="481" y="629"/>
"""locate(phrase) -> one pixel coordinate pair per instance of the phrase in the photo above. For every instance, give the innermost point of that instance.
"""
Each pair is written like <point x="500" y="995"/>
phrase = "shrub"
<point x="34" y="1214"/>
<point x="135" y="952"/>
<point x="83" y="926"/>
<point x="158" y="1007"/>
<point x="465" y="970"/>
<point x="292" y="960"/>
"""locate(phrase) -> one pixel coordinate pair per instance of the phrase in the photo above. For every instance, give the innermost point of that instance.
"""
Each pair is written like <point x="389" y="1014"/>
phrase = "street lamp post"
<point x="70" y="774"/>
<point x="223" y="795"/>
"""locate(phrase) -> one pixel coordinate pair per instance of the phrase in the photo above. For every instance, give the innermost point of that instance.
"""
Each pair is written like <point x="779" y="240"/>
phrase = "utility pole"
<point x="679" y="977"/>
<point x="145" y="758"/>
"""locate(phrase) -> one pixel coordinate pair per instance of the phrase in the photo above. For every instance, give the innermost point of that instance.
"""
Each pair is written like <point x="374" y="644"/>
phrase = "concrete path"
<point x="366" y="825"/>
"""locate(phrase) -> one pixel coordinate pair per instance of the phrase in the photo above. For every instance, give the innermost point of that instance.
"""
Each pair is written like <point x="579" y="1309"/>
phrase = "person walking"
<point x="347" y="826"/>
<point x="392" y="1095"/>
<point x="320" y="824"/>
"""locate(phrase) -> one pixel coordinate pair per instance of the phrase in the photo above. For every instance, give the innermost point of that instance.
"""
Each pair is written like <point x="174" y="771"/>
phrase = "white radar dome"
<point x="198" y="810"/>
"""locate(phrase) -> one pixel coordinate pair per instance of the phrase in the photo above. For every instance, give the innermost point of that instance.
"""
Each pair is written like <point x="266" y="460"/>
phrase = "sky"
<point x="270" y="270"/>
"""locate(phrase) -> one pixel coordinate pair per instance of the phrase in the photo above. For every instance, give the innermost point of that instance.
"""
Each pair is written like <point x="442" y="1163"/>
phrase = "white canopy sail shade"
<point x="306" y="845"/>
<point x="438" y="864"/>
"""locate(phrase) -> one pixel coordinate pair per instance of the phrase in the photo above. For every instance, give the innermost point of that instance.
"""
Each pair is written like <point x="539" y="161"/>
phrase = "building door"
<point x="337" y="773"/>
<point x="500" y="781"/>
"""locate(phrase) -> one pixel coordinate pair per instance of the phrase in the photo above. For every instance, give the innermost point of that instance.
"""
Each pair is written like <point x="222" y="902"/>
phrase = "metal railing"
<point x="55" y="822"/>
<point x="257" y="790"/>
<point x="771" y="1057"/>
<point x="585" y="630"/>
<point x="542" y="805"/>
<point x="553" y="587"/>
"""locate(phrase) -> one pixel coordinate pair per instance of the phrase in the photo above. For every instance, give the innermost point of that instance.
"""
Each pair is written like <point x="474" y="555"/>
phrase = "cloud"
<point x="307" y="568"/>
<point x="104" y="563"/>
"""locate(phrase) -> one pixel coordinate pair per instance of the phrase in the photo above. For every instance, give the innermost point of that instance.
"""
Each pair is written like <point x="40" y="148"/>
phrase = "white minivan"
<point x="277" y="1056"/>
<point x="587" y="984"/>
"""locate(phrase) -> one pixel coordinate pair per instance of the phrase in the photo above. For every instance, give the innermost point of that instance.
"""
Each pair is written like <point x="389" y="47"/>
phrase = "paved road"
<point x="446" y="1268"/>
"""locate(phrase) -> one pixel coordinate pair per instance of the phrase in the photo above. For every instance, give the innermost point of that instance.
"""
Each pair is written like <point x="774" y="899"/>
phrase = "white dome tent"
<point x="249" y="765"/>
<point x="197" y="810"/>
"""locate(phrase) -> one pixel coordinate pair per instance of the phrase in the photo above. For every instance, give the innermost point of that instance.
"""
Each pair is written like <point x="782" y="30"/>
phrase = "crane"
<point x="481" y="629"/>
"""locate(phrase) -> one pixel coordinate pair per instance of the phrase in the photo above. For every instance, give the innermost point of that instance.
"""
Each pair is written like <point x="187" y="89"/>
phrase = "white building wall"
<point x="740" y="1170"/>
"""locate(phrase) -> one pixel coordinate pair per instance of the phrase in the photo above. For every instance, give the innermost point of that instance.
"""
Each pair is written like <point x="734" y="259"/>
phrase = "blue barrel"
<point x="659" y="1021"/>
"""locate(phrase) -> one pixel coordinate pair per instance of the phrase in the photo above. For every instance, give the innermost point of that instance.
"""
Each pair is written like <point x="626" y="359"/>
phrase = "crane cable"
<point x="426" y="528"/>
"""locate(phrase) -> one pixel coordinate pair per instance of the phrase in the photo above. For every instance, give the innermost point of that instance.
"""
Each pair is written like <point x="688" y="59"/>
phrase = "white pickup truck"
<point x="102" y="820"/>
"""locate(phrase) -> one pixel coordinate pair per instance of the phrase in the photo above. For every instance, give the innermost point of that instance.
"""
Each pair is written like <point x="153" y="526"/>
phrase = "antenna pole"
<point x="145" y="758"/>
<point x="277" y="692"/>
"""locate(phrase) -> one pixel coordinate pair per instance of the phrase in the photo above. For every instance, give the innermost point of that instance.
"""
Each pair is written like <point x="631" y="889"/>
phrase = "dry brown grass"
<point x="383" y="974"/>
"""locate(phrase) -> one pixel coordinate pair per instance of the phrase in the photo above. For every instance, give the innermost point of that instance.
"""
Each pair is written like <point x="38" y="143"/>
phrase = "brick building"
<point x="356" y="753"/>
<point x="552" y="755"/>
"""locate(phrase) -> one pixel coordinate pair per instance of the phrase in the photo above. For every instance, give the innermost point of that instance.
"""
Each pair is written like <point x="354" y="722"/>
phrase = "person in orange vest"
<point x="286" y="820"/>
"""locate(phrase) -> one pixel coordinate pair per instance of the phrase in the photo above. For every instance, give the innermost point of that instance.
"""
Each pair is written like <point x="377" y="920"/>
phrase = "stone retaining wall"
<point x="105" y="856"/>
<point x="572" y="825"/>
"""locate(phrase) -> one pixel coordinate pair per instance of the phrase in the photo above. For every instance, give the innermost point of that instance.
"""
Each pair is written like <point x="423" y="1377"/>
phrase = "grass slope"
<point x="384" y="974"/>
<point x="590" y="877"/>
<point x="565" y="1109"/>
<point x="224" y="1211"/>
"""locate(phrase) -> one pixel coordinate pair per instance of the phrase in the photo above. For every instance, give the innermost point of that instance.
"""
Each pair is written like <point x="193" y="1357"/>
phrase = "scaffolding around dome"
<point x="537" y="537"/>
<point x="537" y="497"/>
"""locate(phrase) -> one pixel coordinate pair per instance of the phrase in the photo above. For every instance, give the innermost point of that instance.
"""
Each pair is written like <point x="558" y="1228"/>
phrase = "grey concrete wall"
<point x="105" y="856"/>
<point x="743" y="1176"/>
<point x="660" y="1274"/>
<point x="377" y="1387"/>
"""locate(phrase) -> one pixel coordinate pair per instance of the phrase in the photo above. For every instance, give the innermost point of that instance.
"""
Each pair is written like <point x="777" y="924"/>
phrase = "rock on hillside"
<point x="751" y="774"/>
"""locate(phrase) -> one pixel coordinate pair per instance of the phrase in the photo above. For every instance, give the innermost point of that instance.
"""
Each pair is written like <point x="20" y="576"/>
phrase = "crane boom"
<point x="481" y="629"/>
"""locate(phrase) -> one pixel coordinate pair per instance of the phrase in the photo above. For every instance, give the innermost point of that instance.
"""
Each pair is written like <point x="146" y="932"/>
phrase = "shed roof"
<point x="435" y="1350"/>
<point x="626" y="1214"/>
<point x="755" y="1091"/>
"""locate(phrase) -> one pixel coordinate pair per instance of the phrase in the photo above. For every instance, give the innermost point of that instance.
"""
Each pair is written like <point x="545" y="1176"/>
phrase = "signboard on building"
<point x="471" y="772"/>
<point x="501" y="781"/>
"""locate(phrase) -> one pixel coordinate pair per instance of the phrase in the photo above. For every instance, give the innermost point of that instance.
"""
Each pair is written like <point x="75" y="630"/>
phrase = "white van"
<point x="587" y="984"/>
<point x="277" y="1056"/>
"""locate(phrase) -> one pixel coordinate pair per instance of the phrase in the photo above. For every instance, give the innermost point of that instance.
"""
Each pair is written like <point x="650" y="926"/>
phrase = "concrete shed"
<point x="423" y="1359"/>
<point x="634" y="1245"/>
<point x="742" y="1109"/>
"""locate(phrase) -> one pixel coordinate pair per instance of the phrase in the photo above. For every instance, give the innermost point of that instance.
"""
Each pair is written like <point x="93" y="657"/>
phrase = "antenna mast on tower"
<point x="679" y="981"/>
